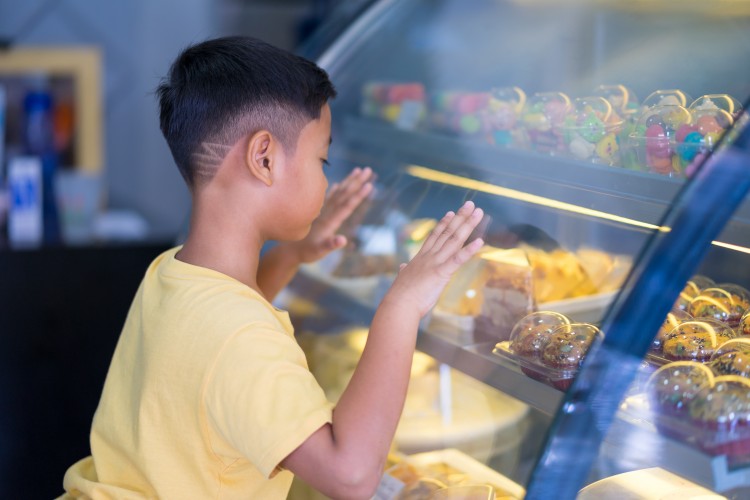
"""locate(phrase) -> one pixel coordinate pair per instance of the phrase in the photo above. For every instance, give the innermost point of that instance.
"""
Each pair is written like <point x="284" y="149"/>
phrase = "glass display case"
<point x="597" y="345"/>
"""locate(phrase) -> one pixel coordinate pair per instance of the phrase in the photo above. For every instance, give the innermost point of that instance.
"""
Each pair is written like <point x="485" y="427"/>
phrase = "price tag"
<point x="389" y="488"/>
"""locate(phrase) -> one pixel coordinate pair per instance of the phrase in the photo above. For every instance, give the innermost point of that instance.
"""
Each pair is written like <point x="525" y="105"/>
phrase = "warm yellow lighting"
<point x="485" y="187"/>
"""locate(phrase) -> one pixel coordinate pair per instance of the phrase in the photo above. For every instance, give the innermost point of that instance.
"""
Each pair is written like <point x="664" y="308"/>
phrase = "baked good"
<point x="732" y="358"/>
<point x="531" y="334"/>
<point x="566" y="350"/>
<point x="354" y="264"/>
<point x="670" y="389"/>
<point x="726" y="303"/>
<point x="673" y="319"/>
<point x="558" y="274"/>
<point x="696" y="340"/>
<point x="722" y="413"/>
<point x="507" y="293"/>
<point x="744" y="327"/>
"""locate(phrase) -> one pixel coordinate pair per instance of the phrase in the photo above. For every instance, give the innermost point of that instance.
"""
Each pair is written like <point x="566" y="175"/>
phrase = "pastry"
<point x="722" y="412"/>
<point x="744" y="327"/>
<point x="566" y="350"/>
<point x="732" y="358"/>
<point x="726" y="303"/>
<point x="673" y="319"/>
<point x="696" y="340"/>
<point x="531" y="334"/>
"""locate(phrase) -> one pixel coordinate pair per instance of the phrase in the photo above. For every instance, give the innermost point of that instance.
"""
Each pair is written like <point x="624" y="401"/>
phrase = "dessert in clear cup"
<point x="673" y="319"/>
<point x="566" y="350"/>
<point x="744" y="327"/>
<point x="696" y="340"/>
<point x="691" y="290"/>
<point x="549" y="348"/>
<point x="461" y="113"/>
<point x="542" y="118"/>
<point x="721" y="414"/>
<point x="400" y="103"/>
<point x="591" y="129"/>
<point x="626" y="104"/>
<point x="670" y="389"/>
<point x="653" y="138"/>
<point x="724" y="302"/>
<point x="712" y="116"/>
<point x="667" y="97"/>
<point x="732" y="358"/>
<point x="503" y="112"/>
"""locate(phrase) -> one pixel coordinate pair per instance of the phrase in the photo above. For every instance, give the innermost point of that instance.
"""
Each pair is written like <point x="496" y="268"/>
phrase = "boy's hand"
<point x="341" y="201"/>
<point x="420" y="282"/>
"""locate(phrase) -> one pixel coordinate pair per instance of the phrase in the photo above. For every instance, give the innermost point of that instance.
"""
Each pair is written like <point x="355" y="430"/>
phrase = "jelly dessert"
<point x="542" y="119"/>
<point x="732" y="358"/>
<point x="724" y="302"/>
<point x="402" y="104"/>
<point x="667" y="97"/>
<point x="503" y="112"/>
<point x="625" y="104"/>
<point x="654" y="139"/>
<point x="696" y="340"/>
<point x="460" y="113"/>
<point x="708" y="123"/>
<point x="590" y="130"/>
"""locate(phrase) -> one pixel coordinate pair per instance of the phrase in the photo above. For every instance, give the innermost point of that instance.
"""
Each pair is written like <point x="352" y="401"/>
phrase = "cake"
<point x="507" y="293"/>
<point x="531" y="335"/>
<point x="696" y="340"/>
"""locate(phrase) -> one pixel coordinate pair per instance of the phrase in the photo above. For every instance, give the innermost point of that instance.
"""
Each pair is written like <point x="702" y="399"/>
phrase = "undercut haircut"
<point x="222" y="90"/>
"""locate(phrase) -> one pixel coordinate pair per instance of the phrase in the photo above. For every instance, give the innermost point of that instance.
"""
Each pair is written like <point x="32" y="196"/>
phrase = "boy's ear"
<point x="260" y="156"/>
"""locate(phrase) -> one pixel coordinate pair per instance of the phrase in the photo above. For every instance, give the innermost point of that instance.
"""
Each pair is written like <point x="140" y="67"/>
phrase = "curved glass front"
<point x="575" y="126"/>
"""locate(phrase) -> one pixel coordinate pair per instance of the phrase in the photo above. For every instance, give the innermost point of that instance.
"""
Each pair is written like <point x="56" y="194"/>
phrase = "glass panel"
<point x="574" y="126"/>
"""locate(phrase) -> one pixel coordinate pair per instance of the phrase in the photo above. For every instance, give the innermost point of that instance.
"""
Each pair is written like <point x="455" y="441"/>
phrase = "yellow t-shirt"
<point x="207" y="392"/>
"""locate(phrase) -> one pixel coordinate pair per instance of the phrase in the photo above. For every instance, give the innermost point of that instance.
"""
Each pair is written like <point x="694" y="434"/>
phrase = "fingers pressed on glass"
<point x="438" y="230"/>
<point x="449" y="234"/>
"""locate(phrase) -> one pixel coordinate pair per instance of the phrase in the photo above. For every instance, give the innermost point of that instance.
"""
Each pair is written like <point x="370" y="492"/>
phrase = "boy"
<point x="208" y="395"/>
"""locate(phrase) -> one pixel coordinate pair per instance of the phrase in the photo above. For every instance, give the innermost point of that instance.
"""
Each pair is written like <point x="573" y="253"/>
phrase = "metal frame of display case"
<point x="638" y="196"/>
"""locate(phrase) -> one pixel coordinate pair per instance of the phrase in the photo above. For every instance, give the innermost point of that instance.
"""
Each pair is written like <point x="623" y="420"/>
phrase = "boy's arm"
<point x="279" y="264"/>
<point x="346" y="458"/>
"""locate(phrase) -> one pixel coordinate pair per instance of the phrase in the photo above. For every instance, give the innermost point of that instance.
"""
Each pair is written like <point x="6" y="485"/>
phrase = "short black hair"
<point x="221" y="90"/>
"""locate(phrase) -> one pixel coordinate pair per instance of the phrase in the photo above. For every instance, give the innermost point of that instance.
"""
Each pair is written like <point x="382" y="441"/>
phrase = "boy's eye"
<point x="325" y="162"/>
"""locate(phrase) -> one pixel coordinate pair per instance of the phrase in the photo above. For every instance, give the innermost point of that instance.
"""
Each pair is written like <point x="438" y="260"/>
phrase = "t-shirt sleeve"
<point x="262" y="398"/>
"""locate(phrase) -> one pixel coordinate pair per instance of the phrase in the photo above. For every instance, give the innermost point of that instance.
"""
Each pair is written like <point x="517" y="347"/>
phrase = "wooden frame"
<point x="83" y="65"/>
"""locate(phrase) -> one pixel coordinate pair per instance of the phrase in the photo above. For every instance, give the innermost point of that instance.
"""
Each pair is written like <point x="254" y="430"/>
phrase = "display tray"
<point x="440" y="466"/>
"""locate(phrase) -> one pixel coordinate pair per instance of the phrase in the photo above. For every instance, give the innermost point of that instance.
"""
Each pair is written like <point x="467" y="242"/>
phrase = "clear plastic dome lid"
<point x="590" y="130"/>
<point x="545" y="110"/>
<point x="568" y="345"/>
<point x="724" y="302"/>
<point x="673" y="319"/>
<point x="744" y="327"/>
<point x="504" y="110"/>
<point x="623" y="100"/>
<point x="732" y="358"/>
<point x="654" y="137"/>
<point x="674" y="385"/>
<point x="725" y="404"/>
<point x="532" y="332"/>
<point x="696" y="340"/>
<point x="667" y="97"/>
<point x="724" y="102"/>
<point x="692" y="289"/>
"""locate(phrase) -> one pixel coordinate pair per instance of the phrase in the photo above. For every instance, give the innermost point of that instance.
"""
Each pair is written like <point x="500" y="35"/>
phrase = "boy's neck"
<point x="207" y="246"/>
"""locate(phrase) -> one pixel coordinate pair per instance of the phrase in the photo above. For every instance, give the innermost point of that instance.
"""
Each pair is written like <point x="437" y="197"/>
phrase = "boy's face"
<point x="305" y="187"/>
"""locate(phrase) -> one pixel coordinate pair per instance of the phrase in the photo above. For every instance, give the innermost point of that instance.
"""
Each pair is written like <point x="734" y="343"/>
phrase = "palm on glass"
<point x="422" y="280"/>
<point x="341" y="201"/>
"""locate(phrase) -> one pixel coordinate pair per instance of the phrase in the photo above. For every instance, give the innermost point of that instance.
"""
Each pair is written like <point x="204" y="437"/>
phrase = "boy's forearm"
<point x="276" y="269"/>
<point x="367" y="414"/>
